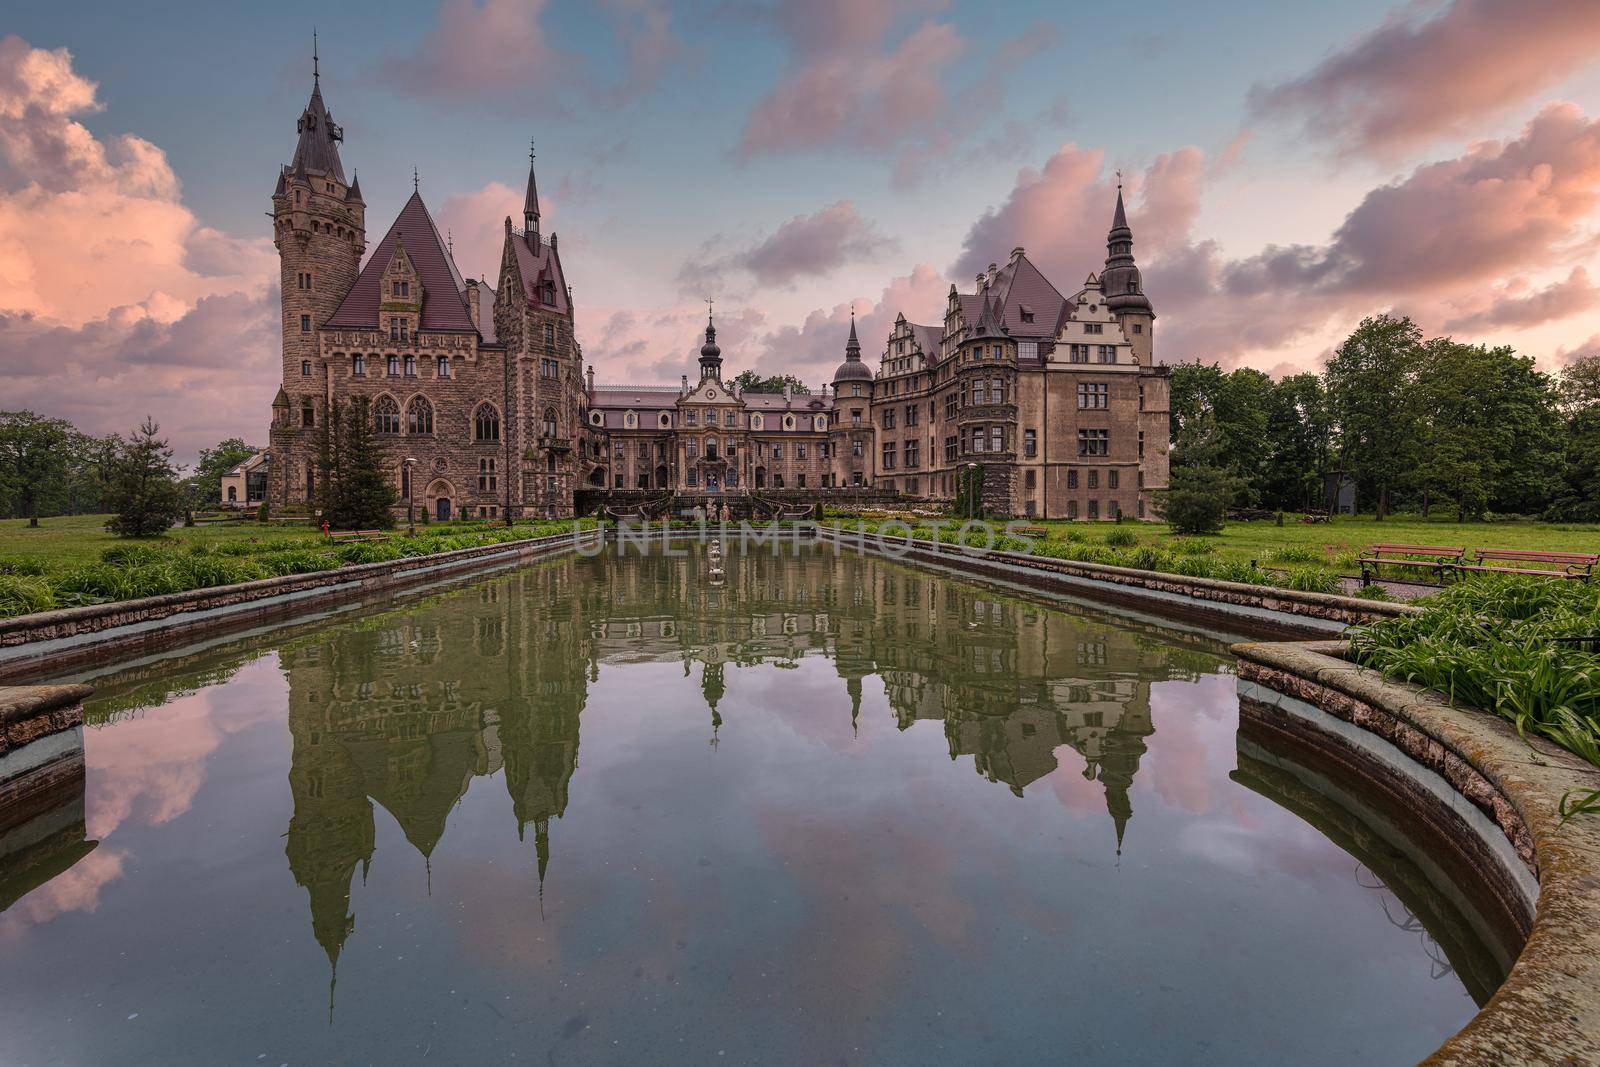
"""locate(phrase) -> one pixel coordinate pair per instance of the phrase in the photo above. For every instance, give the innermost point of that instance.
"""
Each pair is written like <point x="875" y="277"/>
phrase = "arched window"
<point x="485" y="424"/>
<point x="444" y="366"/>
<point x="386" y="415"/>
<point x="821" y="423"/>
<point x="757" y="423"/>
<point x="549" y="422"/>
<point x="630" y="420"/>
<point x="419" y="415"/>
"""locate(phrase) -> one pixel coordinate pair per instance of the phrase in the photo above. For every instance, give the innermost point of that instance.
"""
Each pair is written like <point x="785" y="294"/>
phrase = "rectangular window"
<point x="913" y="454"/>
<point x="689" y="417"/>
<point x="1093" y="395"/>
<point x="305" y="323"/>
<point x="1072" y="509"/>
<point x="411" y="366"/>
<point x="855" y="449"/>
<point x="305" y="368"/>
<point x="358" y="366"/>
<point x="1141" y="444"/>
<point x="1030" y="480"/>
<point x="977" y="439"/>
<point x="693" y="478"/>
<point x="888" y="455"/>
<point x="980" y="394"/>
<point x="444" y="366"/>
<point x="1072" y="479"/>
<point x="727" y="418"/>
<point x="777" y="451"/>
<point x="1094" y="327"/>
<point x="487" y="478"/>
<point x="1094" y="509"/>
<point x="997" y="393"/>
<point x="855" y="417"/>
<point x="394" y="366"/>
<point x="549" y="333"/>
<point x="1108" y="354"/>
<point x="996" y="439"/>
<point x="1138" y="327"/>
<point x="1112" y="480"/>
<point x="952" y="403"/>
<point x="691" y="447"/>
<point x="1030" y="443"/>
<point x="911" y="414"/>
<point x="952" y="447"/>
<point x="799" y="451"/>
<point x="1094" y="479"/>
<point x="888" y="418"/>
<point x="802" y="480"/>
<point x="1094" y="442"/>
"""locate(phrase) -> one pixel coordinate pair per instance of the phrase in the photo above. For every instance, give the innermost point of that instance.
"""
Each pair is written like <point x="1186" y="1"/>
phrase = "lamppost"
<point x="411" y="495"/>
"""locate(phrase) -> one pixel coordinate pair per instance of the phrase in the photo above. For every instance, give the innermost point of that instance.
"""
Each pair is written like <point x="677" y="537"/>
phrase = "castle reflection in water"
<point x="405" y="709"/>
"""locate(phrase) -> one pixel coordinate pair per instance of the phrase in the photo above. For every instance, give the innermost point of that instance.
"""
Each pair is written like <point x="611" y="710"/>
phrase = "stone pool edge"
<point x="1248" y="609"/>
<point x="50" y="641"/>
<point x="1548" y="1009"/>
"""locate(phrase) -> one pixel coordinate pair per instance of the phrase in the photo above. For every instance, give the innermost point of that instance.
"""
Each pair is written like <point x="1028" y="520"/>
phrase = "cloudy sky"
<point x="1290" y="168"/>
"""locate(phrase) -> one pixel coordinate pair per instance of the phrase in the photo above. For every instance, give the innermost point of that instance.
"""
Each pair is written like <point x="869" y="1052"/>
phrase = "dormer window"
<point x="550" y="295"/>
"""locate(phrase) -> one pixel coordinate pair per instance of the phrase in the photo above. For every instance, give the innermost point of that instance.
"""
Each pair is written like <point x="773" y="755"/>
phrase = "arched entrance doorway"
<point x="761" y="477"/>
<point x="597" y="477"/>
<point x="663" y="477"/>
<point x="439" y="500"/>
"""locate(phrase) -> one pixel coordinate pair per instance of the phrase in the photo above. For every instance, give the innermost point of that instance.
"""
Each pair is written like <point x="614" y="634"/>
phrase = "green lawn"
<point x="67" y="542"/>
<point x="1340" y="542"/>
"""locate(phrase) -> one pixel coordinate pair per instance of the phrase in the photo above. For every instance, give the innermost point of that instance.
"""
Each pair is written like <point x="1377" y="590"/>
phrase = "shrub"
<point x="23" y="594"/>
<point x="1122" y="537"/>
<point x="133" y="555"/>
<point x="22" y="566"/>
<point x="1191" y="546"/>
<point x="1295" y="554"/>
<point x="1317" y="580"/>
<point x="1372" y="592"/>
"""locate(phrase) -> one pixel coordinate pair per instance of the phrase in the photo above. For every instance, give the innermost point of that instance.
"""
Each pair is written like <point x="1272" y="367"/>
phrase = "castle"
<point x="1053" y="403"/>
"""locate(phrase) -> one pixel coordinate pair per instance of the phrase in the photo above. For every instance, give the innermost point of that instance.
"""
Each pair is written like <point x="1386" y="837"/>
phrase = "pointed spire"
<point x="710" y="352"/>
<point x="1120" y="280"/>
<point x="317" y="150"/>
<point x="530" y="202"/>
<point x="854" y="344"/>
<point x="354" y="195"/>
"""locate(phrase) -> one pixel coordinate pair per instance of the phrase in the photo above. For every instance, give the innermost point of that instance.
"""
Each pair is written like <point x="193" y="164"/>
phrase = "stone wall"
<point x="1547" y="1011"/>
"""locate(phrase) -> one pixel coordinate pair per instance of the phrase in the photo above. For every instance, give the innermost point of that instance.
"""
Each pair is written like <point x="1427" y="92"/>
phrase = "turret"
<point x="1123" y="287"/>
<point x="319" y="228"/>
<point x="852" y="369"/>
<point x="710" y="353"/>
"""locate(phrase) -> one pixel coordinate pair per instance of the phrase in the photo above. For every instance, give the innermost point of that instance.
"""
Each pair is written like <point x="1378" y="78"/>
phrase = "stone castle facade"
<point x="1052" y="404"/>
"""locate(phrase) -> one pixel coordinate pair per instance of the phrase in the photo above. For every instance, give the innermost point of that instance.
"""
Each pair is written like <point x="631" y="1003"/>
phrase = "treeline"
<point x="1415" y="423"/>
<point x="50" y="467"/>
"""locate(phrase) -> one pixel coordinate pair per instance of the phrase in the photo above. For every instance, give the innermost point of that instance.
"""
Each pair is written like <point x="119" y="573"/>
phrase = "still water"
<point x="837" y="810"/>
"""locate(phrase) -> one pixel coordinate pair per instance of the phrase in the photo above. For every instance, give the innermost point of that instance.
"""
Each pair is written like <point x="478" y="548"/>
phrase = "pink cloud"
<point x="114" y="300"/>
<point x="845" y="82"/>
<point x="1429" y="244"/>
<point x="1414" y="79"/>
<point x="805" y="246"/>
<point x="1515" y="306"/>
<point x="483" y="50"/>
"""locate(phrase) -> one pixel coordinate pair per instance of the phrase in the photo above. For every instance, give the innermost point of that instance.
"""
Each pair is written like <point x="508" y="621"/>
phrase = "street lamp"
<point x="411" y="495"/>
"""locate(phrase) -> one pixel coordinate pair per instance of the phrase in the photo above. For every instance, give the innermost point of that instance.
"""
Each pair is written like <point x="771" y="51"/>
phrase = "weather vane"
<point x="1119" y="177"/>
<point x="416" y="180"/>
<point x="316" y="72"/>
<point x="708" y="309"/>
<point x="530" y="150"/>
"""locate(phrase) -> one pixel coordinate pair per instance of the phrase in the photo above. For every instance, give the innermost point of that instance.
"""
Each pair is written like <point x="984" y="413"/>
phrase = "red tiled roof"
<point x="444" y="302"/>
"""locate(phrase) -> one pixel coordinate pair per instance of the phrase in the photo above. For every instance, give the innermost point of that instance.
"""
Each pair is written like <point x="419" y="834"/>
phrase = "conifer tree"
<point x="145" y="494"/>
<point x="1200" y="486"/>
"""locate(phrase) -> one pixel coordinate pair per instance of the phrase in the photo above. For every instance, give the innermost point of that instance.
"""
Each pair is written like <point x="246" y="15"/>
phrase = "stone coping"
<point x="1257" y="608"/>
<point x="22" y="702"/>
<point x="1548" y="1009"/>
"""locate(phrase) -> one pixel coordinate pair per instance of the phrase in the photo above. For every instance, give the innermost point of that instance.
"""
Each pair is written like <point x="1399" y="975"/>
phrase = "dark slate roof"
<point x="928" y="338"/>
<point x="1020" y="286"/>
<point x="318" y="150"/>
<point x="444" y="301"/>
<point x="538" y="265"/>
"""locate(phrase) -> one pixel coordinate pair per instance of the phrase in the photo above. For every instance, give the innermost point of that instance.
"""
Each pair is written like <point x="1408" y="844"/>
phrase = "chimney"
<point x="787" y="389"/>
<point x="684" y="388"/>
<point x="552" y="242"/>
<point x="472" y="301"/>
<point x="980" y="281"/>
<point x="591" y="366"/>
<point x="1016" y="253"/>
<point x="992" y="270"/>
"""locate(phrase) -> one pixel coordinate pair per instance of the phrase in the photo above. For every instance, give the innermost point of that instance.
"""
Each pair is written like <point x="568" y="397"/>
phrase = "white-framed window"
<point x="630" y="420"/>
<point x="757" y="422"/>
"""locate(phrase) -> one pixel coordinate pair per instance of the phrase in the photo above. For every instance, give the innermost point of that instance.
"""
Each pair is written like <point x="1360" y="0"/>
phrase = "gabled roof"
<point x="1021" y="287"/>
<point x="318" y="150"/>
<point x="539" y="265"/>
<point x="927" y="338"/>
<point x="444" y="301"/>
<point x="486" y="299"/>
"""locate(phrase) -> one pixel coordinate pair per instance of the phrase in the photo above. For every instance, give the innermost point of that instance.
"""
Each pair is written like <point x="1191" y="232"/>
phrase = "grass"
<point x="1504" y="645"/>
<point x="81" y="564"/>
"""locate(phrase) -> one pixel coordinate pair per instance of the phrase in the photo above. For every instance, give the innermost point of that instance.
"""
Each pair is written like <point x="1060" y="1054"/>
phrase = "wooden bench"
<point x="1558" y="564"/>
<point x="1443" y="558"/>
<point x="1037" y="533"/>
<point x="357" y="535"/>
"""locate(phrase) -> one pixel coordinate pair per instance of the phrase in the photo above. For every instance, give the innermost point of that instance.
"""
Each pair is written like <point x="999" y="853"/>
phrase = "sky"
<point x="1289" y="168"/>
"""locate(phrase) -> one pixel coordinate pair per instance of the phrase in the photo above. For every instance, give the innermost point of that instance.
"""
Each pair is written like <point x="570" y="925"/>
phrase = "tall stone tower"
<point x="319" y="228"/>
<point x="1124" y="289"/>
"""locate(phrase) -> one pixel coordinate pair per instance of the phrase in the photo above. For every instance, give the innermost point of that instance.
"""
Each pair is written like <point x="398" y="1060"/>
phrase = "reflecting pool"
<point x="835" y="810"/>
